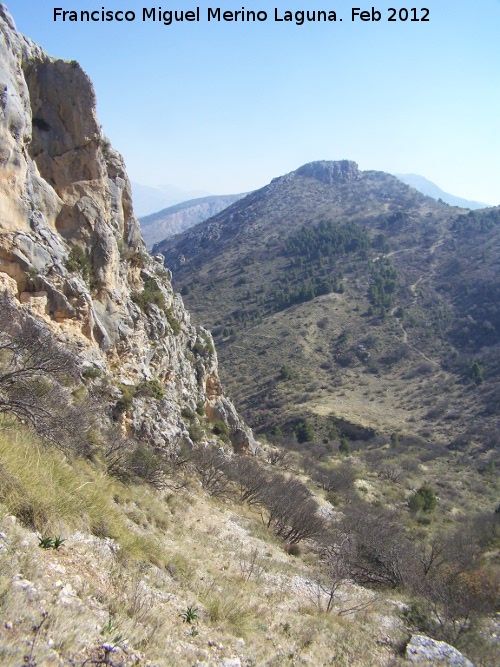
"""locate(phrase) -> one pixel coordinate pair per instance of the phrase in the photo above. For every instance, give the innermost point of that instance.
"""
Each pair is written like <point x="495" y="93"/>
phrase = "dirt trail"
<point x="413" y="290"/>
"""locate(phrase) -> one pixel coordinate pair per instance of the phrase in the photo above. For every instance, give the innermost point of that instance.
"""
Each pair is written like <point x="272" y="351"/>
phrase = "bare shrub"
<point x="410" y="465"/>
<point x="396" y="354"/>
<point x="338" y="480"/>
<point x="435" y="412"/>
<point x="455" y="589"/>
<point x="250" y="479"/>
<point x="34" y="372"/>
<point x="333" y="572"/>
<point x="456" y="600"/>
<point x="115" y="449"/>
<point x="211" y="464"/>
<point x="392" y="472"/>
<point x="251" y="565"/>
<point x="278" y="457"/>
<point x="486" y="528"/>
<point x="375" y="546"/>
<point x="292" y="512"/>
<point x="425" y="368"/>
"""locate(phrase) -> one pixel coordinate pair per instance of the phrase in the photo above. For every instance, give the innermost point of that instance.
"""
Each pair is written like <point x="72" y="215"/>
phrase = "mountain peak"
<point x="330" y="172"/>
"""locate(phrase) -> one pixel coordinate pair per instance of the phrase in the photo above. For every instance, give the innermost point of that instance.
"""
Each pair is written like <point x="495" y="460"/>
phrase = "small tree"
<point x="476" y="371"/>
<point x="423" y="500"/>
<point x="304" y="432"/>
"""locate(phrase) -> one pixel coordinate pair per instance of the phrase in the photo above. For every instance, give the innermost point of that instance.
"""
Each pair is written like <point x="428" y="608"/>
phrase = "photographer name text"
<point x="169" y="17"/>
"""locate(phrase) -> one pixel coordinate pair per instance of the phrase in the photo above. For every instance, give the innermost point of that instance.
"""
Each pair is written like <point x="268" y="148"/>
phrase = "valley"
<point x="368" y="334"/>
<point x="275" y="445"/>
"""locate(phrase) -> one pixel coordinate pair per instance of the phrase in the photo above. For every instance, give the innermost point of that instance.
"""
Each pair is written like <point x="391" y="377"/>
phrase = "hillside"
<point x="335" y="294"/>
<point x="140" y="521"/>
<point x="175" y="219"/>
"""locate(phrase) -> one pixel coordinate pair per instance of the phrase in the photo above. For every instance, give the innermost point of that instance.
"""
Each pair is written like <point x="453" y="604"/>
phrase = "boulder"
<point x="424" y="649"/>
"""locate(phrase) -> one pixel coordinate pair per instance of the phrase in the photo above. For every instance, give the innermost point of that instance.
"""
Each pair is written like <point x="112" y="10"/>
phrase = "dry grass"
<point x="154" y="555"/>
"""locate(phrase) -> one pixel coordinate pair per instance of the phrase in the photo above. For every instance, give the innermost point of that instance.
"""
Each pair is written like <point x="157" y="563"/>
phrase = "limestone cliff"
<point x="71" y="248"/>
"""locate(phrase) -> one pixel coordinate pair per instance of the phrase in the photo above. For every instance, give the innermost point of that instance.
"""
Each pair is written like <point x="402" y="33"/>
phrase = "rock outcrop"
<point x="424" y="649"/>
<point x="327" y="172"/>
<point x="72" y="252"/>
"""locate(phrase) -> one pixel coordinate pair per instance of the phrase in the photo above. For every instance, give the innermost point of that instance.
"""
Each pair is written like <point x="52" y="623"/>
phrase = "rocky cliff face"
<point x="71" y="248"/>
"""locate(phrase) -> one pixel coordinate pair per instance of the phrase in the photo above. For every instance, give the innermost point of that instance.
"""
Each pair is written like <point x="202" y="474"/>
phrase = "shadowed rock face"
<point x="71" y="248"/>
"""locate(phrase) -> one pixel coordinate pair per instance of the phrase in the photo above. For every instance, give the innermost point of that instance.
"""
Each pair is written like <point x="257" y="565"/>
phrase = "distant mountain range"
<point x="175" y="219"/>
<point x="165" y="211"/>
<point x="432" y="190"/>
<point x="148" y="199"/>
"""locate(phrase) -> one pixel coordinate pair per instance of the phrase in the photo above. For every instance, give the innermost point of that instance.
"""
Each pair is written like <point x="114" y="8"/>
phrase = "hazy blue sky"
<point x="226" y="107"/>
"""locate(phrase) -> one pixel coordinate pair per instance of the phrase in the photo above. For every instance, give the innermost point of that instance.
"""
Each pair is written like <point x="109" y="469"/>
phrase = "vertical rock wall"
<point x="72" y="252"/>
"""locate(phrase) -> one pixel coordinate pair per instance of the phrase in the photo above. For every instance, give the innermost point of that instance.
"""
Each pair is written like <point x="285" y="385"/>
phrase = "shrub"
<point x="79" y="262"/>
<point x="292" y="549"/>
<point x="91" y="372"/>
<point x="146" y="464"/>
<point x="423" y="500"/>
<point x="304" y="432"/>
<point x="344" y="447"/>
<point x="187" y="413"/>
<point x="475" y="372"/>
<point x="196" y="433"/>
<point x="151" y="389"/>
<point x="126" y="401"/>
<point x="221" y="429"/>
<point x="203" y="346"/>
<point x="173" y="322"/>
<point x="285" y="373"/>
<point x="136" y="257"/>
<point x="150" y="295"/>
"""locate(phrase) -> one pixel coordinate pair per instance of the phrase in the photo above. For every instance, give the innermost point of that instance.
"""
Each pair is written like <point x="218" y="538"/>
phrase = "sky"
<point x="224" y="107"/>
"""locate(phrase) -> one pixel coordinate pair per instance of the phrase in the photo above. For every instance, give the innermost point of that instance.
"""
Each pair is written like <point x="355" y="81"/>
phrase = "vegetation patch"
<point x="150" y="295"/>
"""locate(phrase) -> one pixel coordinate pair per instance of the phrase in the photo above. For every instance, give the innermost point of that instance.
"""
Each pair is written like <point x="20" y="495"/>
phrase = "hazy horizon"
<point x="227" y="106"/>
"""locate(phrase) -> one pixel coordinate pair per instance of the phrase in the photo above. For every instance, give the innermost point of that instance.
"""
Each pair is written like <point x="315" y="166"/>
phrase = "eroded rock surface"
<point x="72" y="252"/>
<point x="424" y="649"/>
